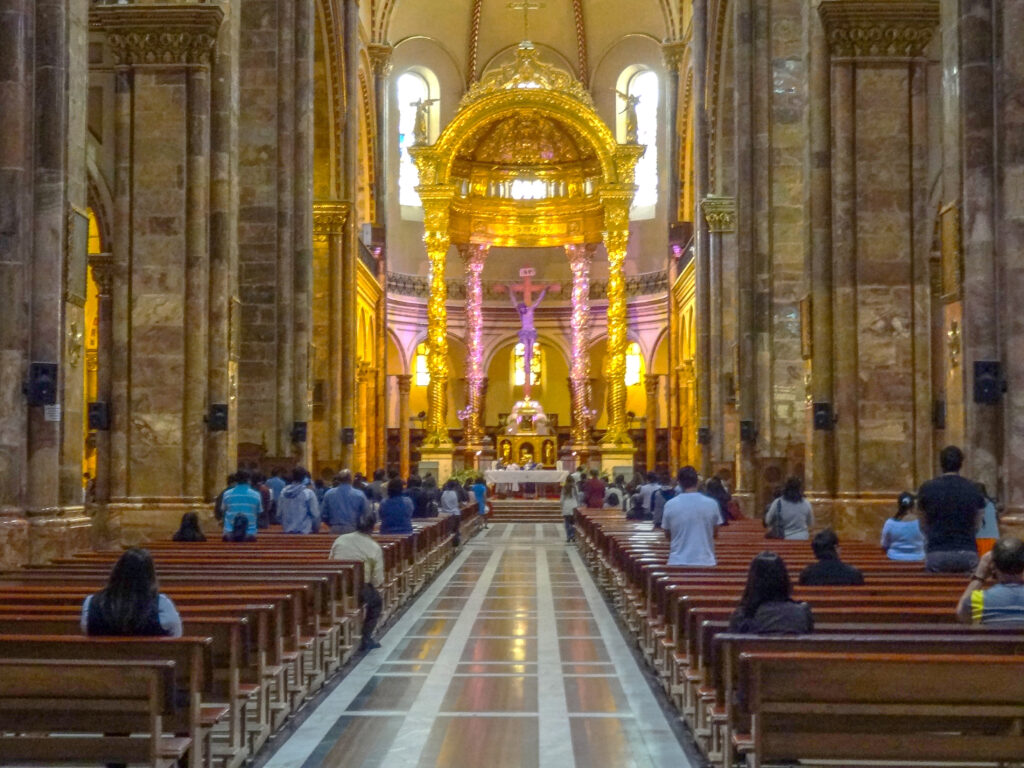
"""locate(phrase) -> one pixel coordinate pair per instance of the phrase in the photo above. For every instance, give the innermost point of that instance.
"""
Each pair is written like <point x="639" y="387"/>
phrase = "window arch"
<point x="421" y="371"/>
<point x="519" y="362"/>
<point x="412" y="86"/>
<point x="642" y="84"/>
<point x="634" y="364"/>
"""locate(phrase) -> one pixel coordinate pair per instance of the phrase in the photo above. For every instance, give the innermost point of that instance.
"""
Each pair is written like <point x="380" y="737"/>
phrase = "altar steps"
<point x="525" y="511"/>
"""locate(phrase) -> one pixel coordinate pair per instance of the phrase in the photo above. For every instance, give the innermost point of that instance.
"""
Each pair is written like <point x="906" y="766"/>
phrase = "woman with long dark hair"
<point x="131" y="604"/>
<point x="189" y="530"/>
<point x="791" y="512"/>
<point x="766" y="607"/>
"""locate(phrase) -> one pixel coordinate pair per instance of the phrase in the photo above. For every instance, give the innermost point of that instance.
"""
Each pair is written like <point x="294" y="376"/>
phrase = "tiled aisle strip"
<point x="555" y="740"/>
<point x="659" y="742"/>
<point x="316" y="726"/>
<point x="407" y="746"/>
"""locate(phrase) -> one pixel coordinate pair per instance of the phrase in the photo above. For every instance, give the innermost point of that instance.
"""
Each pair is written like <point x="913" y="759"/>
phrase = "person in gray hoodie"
<point x="297" y="505"/>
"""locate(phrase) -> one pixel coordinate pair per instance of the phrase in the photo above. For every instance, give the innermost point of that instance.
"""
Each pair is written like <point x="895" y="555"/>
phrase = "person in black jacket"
<point x="766" y="607"/>
<point x="829" y="571"/>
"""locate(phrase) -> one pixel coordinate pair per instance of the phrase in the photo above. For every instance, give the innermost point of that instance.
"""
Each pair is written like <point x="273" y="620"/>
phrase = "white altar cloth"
<point x="517" y="476"/>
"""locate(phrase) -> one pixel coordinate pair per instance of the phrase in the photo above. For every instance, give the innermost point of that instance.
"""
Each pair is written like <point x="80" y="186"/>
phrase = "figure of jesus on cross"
<point x="525" y="307"/>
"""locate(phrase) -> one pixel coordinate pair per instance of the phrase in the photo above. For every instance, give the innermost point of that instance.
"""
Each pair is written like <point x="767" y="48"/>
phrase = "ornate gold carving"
<point x="616" y="241"/>
<point x="329" y="217"/>
<point x="954" y="343"/>
<point x="437" y="241"/>
<point x="719" y="212"/>
<point x="674" y="54"/>
<point x="879" y="28"/>
<point x="75" y="338"/>
<point x="528" y="138"/>
<point x="180" y="33"/>
<point x="527" y="72"/>
<point x="380" y="58"/>
<point x="952" y="260"/>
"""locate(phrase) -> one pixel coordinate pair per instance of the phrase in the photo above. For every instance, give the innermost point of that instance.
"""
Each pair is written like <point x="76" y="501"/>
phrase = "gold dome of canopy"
<point x="525" y="138"/>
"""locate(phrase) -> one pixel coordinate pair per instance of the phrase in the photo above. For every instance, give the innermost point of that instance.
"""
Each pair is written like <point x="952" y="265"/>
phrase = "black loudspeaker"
<point x="299" y="432"/>
<point x="703" y="435"/>
<point x="939" y="414"/>
<point x="988" y="384"/>
<point x="348" y="436"/>
<point x="748" y="434"/>
<point x="99" y="416"/>
<point x="217" y="420"/>
<point x="41" y="387"/>
<point x="823" y="418"/>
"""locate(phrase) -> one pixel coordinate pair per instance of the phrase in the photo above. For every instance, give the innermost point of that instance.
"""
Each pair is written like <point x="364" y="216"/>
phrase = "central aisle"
<point x="510" y="658"/>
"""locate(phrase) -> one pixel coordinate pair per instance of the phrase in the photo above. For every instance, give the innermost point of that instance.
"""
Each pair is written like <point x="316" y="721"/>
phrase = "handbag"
<point x="776" y="530"/>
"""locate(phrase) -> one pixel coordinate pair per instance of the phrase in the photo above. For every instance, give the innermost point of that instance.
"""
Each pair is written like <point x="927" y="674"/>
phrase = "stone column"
<point x="616" y="239"/>
<point x="362" y="428"/>
<point x="284" y="288"/>
<point x="103" y="274"/>
<point x="701" y="160"/>
<point x="474" y="255"/>
<point x="720" y="215"/>
<point x="651" y="432"/>
<point x="437" y="241"/>
<point x="404" y="386"/>
<point x="329" y="217"/>
<point x="580" y="258"/>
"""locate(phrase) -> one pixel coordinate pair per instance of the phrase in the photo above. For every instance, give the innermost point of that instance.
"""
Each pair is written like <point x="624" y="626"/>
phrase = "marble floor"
<point x="509" y="659"/>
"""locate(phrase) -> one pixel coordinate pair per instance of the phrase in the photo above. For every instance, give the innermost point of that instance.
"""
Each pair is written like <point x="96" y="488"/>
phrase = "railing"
<point x="416" y="286"/>
<point x="366" y="256"/>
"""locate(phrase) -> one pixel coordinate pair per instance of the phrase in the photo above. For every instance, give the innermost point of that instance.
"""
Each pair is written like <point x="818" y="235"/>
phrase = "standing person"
<point x="276" y="484"/>
<point x="450" y="498"/>
<point x="343" y="504"/>
<point x="131" y="605"/>
<point x="593" y="491"/>
<point x="660" y="498"/>
<point x="259" y="482"/>
<point x="414" y="490"/>
<point x="901" y="535"/>
<point x="830" y="570"/>
<point x="791" y="512"/>
<point x="570" y="502"/>
<point x="988" y="533"/>
<point x="359" y="545"/>
<point x="189" y="529"/>
<point x="715" y="488"/>
<point x="297" y="505"/>
<point x="691" y="522"/>
<point x="395" y="514"/>
<point x="647" y="491"/>
<point x="241" y="501"/>
<point x="480" y="493"/>
<point x="432" y="498"/>
<point x="952" y="511"/>
<point x="1002" y="604"/>
<point x="766" y="607"/>
<point x="377" y="487"/>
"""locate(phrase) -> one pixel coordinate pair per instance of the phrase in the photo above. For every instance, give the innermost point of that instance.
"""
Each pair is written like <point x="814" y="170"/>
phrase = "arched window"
<point x="420" y="369"/>
<point x="642" y="84"/>
<point x="518" y="365"/>
<point x="634" y="364"/>
<point x="412" y="86"/>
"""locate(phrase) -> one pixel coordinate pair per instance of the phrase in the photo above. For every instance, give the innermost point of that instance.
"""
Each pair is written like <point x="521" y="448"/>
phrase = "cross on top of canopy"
<point x="527" y="162"/>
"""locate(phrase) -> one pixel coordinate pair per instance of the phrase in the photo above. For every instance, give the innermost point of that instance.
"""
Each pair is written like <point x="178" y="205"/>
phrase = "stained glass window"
<point x="537" y="364"/>
<point x="634" y="364"/>
<point x="644" y="85"/>
<point x="420" y="369"/>
<point x="412" y="87"/>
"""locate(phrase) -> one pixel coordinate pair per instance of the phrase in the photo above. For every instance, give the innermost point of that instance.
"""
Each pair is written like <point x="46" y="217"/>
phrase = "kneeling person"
<point x="360" y="545"/>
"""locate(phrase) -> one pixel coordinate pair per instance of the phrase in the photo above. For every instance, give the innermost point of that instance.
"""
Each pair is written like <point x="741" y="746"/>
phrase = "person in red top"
<point x="593" y="491"/>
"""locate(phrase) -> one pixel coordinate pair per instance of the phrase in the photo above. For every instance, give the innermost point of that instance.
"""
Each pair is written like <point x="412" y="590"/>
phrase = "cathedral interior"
<point x="761" y="237"/>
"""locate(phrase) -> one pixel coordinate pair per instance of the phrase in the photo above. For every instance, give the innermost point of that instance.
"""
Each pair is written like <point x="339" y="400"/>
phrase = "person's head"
<point x="243" y="477"/>
<point x="620" y="480"/>
<point x="480" y="480"/>
<point x="904" y="504"/>
<point x="127" y="601"/>
<point x="951" y="459"/>
<point x="430" y="482"/>
<point x="1008" y="556"/>
<point x="239" y="528"/>
<point x="688" y="478"/>
<point x="767" y="582"/>
<point x="299" y="475"/>
<point x="366" y="522"/>
<point x="379" y="475"/>
<point x="593" y="473"/>
<point x="279" y="472"/>
<point x="568" y="487"/>
<point x="344" y="476"/>
<point x="395" y="487"/>
<point x="825" y="545"/>
<point x="793" y="490"/>
<point x="652" y="477"/>
<point x="715" y="488"/>
<point x="189" y="522"/>
<point x="415" y="481"/>
<point x="451" y="485"/>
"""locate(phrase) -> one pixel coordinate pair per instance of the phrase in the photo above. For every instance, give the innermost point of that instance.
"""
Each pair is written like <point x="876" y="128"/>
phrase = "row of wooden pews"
<point x="888" y="674"/>
<point x="266" y="624"/>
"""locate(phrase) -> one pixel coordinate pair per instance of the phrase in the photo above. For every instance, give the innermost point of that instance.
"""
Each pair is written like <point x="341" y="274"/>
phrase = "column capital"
<point x="879" y="28"/>
<point x="673" y="52"/>
<point x="474" y="255"/>
<point x="380" y="58"/>
<point x="651" y="382"/>
<point x="580" y="254"/>
<point x="329" y="217"/>
<point x="404" y="383"/>
<point x="719" y="212"/>
<point x="161" y="33"/>
<point x="103" y="267"/>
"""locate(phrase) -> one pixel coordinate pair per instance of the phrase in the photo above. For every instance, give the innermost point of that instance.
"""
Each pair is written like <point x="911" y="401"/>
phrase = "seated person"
<point x="901" y="535"/>
<point x="829" y="571"/>
<point x="395" y="514"/>
<point x="766" y="607"/>
<point x="189" y="530"/>
<point x="131" y="605"/>
<point x="359" y="545"/>
<point x="1002" y="604"/>
<point x="241" y="503"/>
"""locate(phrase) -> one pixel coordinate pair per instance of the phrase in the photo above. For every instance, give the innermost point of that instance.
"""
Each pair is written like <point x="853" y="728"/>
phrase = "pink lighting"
<point x="579" y="374"/>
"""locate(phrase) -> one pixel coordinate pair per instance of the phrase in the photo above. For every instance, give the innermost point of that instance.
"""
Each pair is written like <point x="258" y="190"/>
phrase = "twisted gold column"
<point x="474" y="256"/>
<point x="437" y="241"/>
<point x="616" y="238"/>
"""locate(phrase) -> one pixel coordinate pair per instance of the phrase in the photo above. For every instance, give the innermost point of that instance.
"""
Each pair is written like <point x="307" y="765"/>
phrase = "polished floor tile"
<point x="355" y="742"/>
<point x="582" y="649"/>
<point x="500" y="649"/>
<point x="482" y="742"/>
<point x="388" y="693"/>
<point x="577" y="627"/>
<point x="594" y="694"/>
<point x="491" y="694"/>
<point x="504" y="627"/>
<point x="433" y="626"/>
<point x="418" y="649"/>
<point x="603" y="742"/>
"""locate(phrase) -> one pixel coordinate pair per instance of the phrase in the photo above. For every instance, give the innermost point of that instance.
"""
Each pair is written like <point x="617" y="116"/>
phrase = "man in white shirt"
<point x="691" y="522"/>
<point x="646" y="493"/>
<point x="359" y="545"/>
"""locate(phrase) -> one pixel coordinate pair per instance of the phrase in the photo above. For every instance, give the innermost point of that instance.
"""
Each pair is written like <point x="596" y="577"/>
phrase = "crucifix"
<point x="525" y="307"/>
<point x="526" y="6"/>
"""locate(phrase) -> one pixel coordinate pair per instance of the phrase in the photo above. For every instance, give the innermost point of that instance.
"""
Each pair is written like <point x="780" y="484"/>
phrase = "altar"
<point x="505" y="480"/>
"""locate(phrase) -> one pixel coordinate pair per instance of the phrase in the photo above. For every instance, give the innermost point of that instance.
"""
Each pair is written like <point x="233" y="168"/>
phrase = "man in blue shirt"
<point x="297" y="505"/>
<point x="241" y="500"/>
<point x="343" y="504"/>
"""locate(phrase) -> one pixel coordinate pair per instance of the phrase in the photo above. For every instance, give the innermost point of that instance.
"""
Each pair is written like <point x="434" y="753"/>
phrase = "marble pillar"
<point x="720" y="214"/>
<point x="284" y="285"/>
<point x="651" y="382"/>
<point x="580" y="259"/>
<point x="474" y="256"/>
<point x="701" y="177"/>
<point x="329" y="218"/>
<point x="404" y="387"/>
<point x="363" y="435"/>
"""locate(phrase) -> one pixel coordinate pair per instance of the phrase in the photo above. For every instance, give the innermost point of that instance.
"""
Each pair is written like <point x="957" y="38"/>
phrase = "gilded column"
<point x="103" y="274"/>
<point x="437" y="241"/>
<point x="616" y="239"/>
<point x="362" y="430"/>
<point x="651" y="432"/>
<point x="474" y="256"/>
<point x="720" y="215"/>
<point x="580" y="258"/>
<point x="329" y="217"/>
<point x="404" y="387"/>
